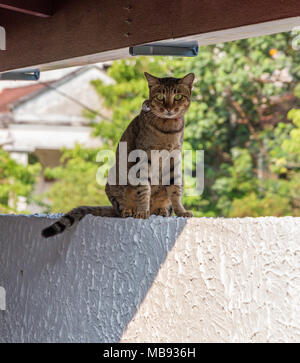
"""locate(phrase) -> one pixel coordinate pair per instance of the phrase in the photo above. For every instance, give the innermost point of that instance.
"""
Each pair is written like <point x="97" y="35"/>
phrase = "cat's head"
<point x="169" y="97"/>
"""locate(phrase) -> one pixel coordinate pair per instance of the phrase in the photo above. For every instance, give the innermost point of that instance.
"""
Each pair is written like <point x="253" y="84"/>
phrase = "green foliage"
<point x="250" y="169"/>
<point x="239" y="180"/>
<point x="76" y="181"/>
<point x="270" y="205"/>
<point x="291" y="146"/>
<point x="15" y="180"/>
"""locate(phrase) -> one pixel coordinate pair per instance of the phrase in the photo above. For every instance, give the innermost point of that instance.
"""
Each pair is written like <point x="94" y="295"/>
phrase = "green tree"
<point x="16" y="180"/>
<point x="76" y="181"/>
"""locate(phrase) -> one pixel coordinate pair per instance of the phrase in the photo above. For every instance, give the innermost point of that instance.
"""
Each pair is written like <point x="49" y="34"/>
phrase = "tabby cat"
<point x="159" y="126"/>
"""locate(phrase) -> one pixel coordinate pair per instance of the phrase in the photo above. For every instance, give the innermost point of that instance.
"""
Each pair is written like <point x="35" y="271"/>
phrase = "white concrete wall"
<point x="159" y="280"/>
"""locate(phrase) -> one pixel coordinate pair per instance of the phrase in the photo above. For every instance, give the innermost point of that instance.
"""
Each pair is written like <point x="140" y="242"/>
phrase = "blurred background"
<point x="245" y="115"/>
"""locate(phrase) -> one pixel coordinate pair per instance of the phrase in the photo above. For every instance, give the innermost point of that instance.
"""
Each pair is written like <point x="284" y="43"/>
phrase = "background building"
<point x="41" y="118"/>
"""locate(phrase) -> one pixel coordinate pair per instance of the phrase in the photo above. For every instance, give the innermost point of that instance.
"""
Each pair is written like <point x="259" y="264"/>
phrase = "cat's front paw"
<point x="164" y="212"/>
<point x="127" y="213"/>
<point x="142" y="214"/>
<point x="185" y="214"/>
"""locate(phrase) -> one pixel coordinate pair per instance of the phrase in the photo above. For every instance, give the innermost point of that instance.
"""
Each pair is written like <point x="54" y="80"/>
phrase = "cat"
<point x="159" y="126"/>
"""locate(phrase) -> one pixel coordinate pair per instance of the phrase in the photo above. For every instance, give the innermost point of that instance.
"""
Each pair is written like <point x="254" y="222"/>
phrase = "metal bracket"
<point x="23" y="75"/>
<point x="176" y="48"/>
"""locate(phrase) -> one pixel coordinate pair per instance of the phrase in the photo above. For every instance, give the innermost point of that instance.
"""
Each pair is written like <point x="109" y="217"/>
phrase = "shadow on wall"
<point x="83" y="286"/>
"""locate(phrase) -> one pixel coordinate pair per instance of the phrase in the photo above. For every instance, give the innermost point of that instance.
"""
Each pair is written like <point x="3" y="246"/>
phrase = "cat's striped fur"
<point x="160" y="126"/>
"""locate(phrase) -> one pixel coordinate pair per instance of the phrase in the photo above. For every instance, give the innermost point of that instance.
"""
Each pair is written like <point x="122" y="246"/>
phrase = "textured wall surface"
<point x="159" y="280"/>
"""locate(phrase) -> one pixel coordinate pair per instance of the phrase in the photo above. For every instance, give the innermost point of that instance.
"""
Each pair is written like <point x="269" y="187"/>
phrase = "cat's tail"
<point x="75" y="215"/>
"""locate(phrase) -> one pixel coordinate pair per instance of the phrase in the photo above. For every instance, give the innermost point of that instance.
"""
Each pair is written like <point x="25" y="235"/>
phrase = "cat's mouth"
<point x="168" y="115"/>
<point x="171" y="115"/>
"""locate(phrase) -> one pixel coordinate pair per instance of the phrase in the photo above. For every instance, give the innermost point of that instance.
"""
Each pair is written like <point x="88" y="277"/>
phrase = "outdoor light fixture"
<point x="23" y="75"/>
<point x="179" y="49"/>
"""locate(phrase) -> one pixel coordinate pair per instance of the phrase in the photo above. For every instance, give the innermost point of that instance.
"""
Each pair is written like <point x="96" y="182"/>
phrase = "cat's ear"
<point x="152" y="81"/>
<point x="188" y="79"/>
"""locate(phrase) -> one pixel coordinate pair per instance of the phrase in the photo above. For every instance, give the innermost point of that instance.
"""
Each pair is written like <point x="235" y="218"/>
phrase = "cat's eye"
<point x="178" y="97"/>
<point x="160" y="97"/>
